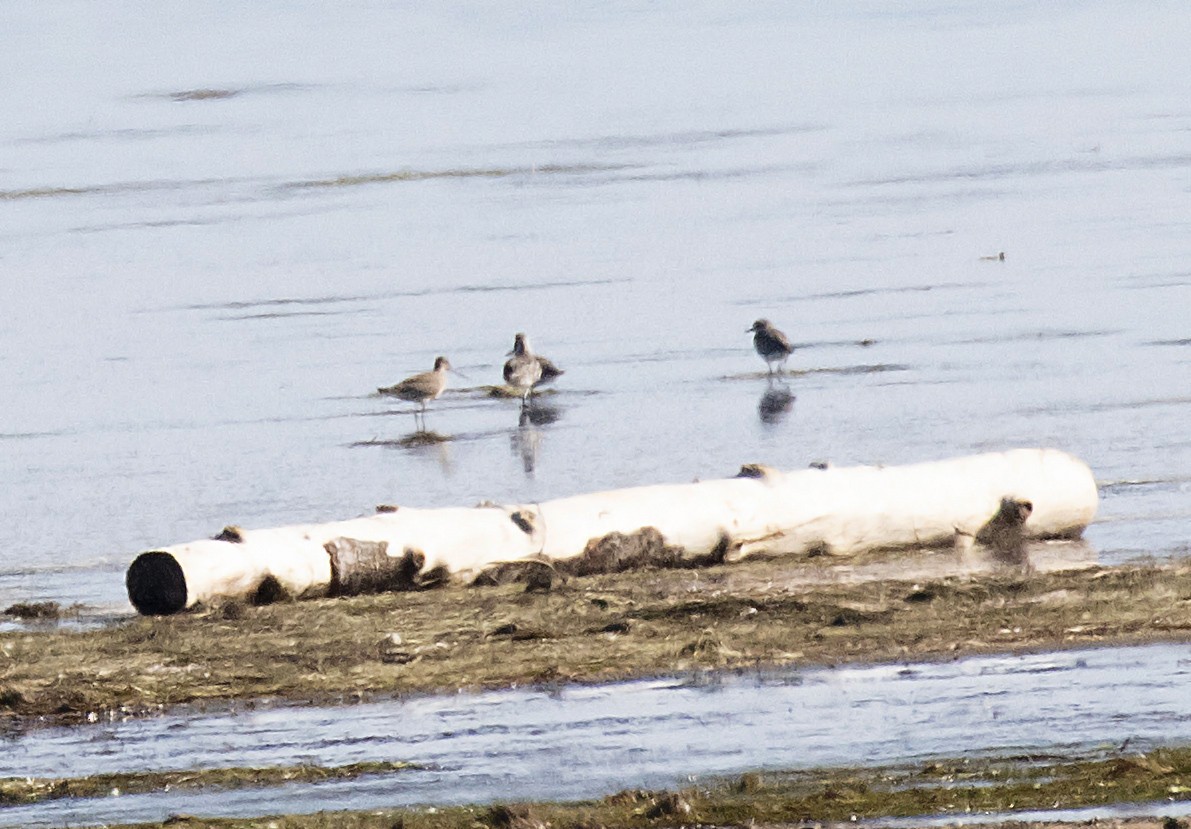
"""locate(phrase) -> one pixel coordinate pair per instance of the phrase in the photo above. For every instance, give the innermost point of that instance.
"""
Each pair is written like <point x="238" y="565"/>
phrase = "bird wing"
<point x="549" y="370"/>
<point x="781" y="340"/>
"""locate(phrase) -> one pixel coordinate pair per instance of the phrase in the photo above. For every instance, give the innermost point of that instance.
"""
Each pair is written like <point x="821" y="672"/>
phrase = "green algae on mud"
<point x="995" y="786"/>
<point x="580" y="629"/>
<point x="16" y="791"/>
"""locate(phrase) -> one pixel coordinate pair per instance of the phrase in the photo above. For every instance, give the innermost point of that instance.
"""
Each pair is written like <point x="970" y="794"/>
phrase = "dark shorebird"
<point x="525" y="370"/>
<point x="422" y="388"/>
<point x="770" y="343"/>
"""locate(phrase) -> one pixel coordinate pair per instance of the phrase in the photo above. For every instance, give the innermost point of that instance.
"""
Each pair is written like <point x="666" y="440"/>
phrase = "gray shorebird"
<point x="770" y="343"/>
<point x="525" y="370"/>
<point x="422" y="388"/>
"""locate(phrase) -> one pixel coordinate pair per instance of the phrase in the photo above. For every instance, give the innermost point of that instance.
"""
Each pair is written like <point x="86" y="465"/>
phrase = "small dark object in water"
<point x="382" y="508"/>
<point x="34" y="610"/>
<point x="999" y="257"/>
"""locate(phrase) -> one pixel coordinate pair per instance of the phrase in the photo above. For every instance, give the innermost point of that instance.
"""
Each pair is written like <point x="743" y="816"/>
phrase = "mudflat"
<point x="583" y="630"/>
<point x="536" y="630"/>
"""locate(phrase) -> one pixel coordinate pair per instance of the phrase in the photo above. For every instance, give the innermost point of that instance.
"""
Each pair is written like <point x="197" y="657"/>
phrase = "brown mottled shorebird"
<point x="770" y="343"/>
<point x="422" y="388"/>
<point x="526" y="370"/>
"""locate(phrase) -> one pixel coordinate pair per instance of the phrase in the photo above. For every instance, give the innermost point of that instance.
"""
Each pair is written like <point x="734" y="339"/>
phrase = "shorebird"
<point x="770" y="343"/>
<point x="422" y="388"/>
<point x="525" y="370"/>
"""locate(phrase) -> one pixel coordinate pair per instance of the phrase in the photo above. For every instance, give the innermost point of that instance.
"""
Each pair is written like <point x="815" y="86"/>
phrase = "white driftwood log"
<point x="1022" y="493"/>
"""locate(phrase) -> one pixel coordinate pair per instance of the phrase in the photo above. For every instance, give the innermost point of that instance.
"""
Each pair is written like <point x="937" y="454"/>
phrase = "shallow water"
<point x="583" y="742"/>
<point x="221" y="230"/>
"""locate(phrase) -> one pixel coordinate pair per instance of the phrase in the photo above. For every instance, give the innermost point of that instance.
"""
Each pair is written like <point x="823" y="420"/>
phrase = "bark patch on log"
<point x="538" y="576"/>
<point x="433" y="578"/>
<point x="270" y="591"/>
<point x="359" y="567"/>
<point x="647" y="547"/>
<point x="156" y="584"/>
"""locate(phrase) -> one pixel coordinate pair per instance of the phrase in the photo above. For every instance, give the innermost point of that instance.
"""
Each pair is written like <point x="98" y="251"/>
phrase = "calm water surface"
<point x="222" y="227"/>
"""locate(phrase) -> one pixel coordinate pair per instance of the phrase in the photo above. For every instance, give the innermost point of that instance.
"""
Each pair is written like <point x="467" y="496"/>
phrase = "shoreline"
<point x="596" y="629"/>
<point x="749" y="616"/>
<point x="983" y="791"/>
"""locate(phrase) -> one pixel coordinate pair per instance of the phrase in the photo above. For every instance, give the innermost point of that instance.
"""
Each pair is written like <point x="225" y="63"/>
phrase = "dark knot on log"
<point x="231" y="533"/>
<point x="756" y="470"/>
<point x="524" y="521"/>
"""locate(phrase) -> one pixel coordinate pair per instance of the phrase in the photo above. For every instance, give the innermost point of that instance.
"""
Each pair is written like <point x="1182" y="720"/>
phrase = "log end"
<point x="156" y="584"/>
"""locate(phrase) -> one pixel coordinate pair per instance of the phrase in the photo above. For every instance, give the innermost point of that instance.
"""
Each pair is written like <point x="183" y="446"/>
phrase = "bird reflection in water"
<point x="527" y="439"/>
<point x="775" y="404"/>
<point x="430" y="444"/>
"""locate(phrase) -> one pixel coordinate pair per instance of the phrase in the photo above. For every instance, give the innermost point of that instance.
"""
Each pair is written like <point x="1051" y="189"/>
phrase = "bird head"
<point x="520" y="346"/>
